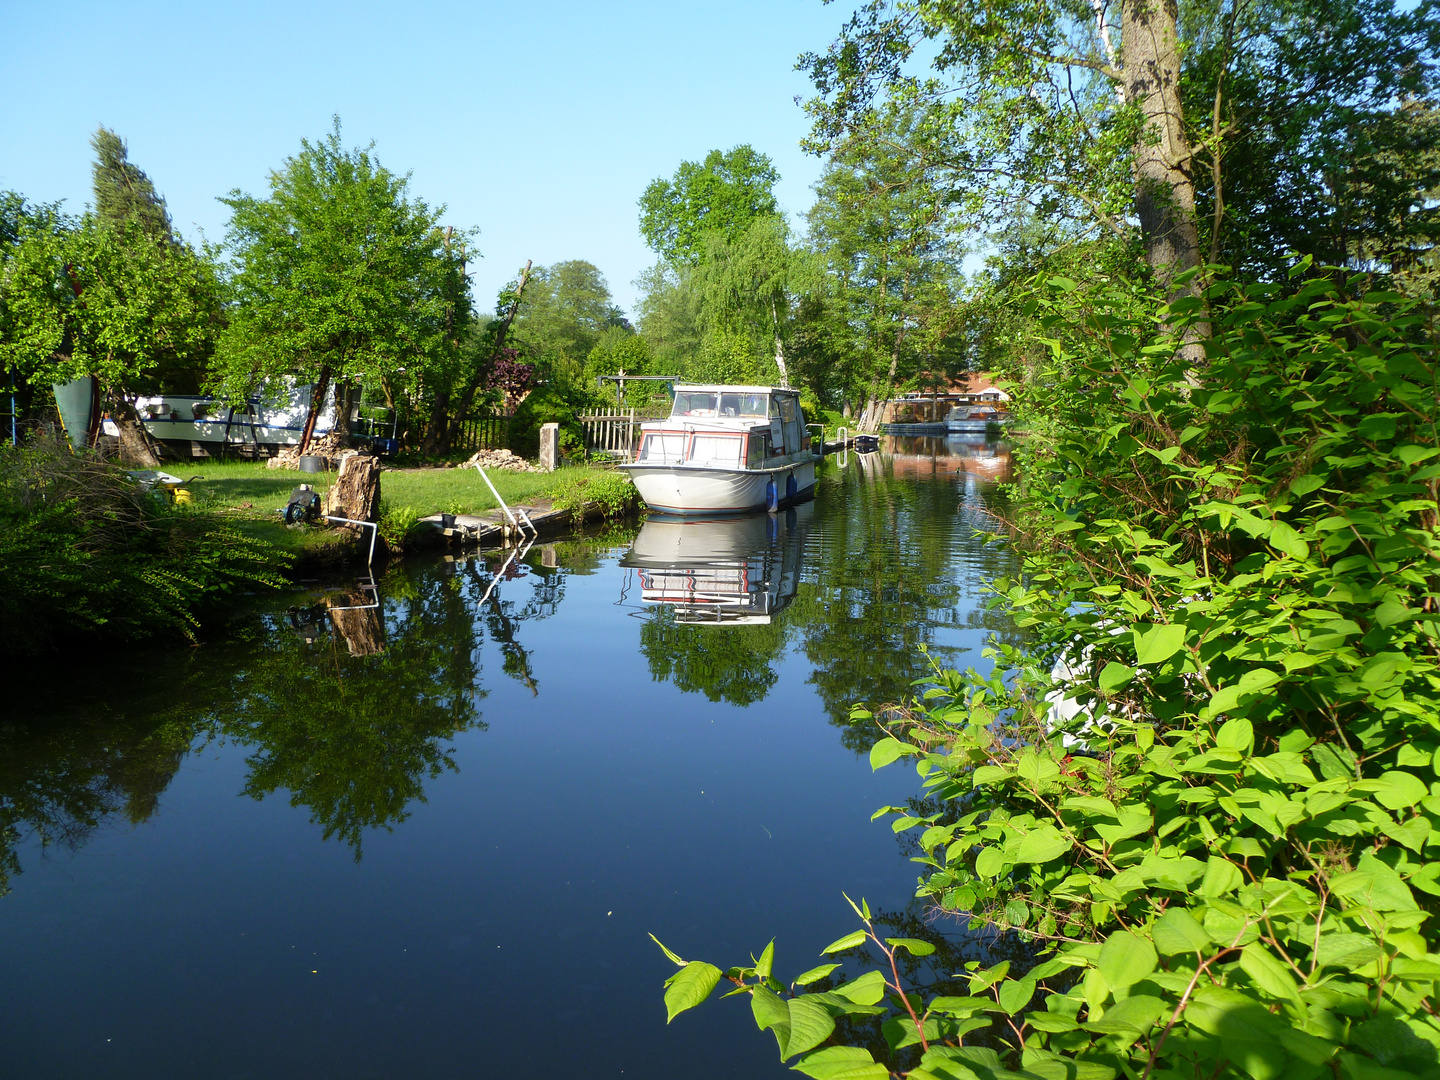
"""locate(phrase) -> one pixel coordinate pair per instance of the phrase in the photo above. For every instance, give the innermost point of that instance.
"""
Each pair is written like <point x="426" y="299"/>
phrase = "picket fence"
<point x="614" y="431"/>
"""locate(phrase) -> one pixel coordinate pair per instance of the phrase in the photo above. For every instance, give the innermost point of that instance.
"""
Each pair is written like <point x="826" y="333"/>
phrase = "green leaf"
<point x="766" y="961"/>
<point x="1125" y="959"/>
<point x="1136" y="1013"/>
<point x="815" y="974"/>
<point x="689" y="987"/>
<point x="1269" y="973"/>
<point x="1177" y="932"/>
<point x="1285" y="539"/>
<point x="1015" y="994"/>
<point x="1157" y="644"/>
<point x="810" y="1025"/>
<point x="914" y="945"/>
<point x="1303" y="485"/>
<point x="1115" y="675"/>
<point x="769" y="1009"/>
<point x="1041" y="844"/>
<point x="887" y="750"/>
<point x="1397" y="790"/>
<point x="1237" y="734"/>
<point x="1348" y="951"/>
<point x="1376" y="428"/>
<point x="868" y="989"/>
<point x="990" y="862"/>
<point x="841" y="1063"/>
<point x="849" y="941"/>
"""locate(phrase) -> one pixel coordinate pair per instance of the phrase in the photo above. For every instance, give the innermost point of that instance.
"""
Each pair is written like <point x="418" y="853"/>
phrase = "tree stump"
<point x="358" y="623"/>
<point x="356" y="492"/>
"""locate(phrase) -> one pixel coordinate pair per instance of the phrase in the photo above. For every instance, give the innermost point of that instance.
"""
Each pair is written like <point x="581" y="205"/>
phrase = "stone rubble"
<point x="500" y="459"/>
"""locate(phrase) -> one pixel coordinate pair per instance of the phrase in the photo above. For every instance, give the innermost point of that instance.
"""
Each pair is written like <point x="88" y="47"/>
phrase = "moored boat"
<point x="974" y="419"/>
<point x="725" y="450"/>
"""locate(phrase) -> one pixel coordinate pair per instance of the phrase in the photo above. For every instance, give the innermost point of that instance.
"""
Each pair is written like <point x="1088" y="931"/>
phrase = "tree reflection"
<point x="725" y="663"/>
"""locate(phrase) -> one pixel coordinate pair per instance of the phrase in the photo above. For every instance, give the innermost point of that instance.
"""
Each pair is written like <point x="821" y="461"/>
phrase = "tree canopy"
<point x="721" y="195"/>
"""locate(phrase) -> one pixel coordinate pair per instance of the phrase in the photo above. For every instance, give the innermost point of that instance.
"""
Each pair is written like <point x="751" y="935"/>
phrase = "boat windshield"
<point x="725" y="403"/>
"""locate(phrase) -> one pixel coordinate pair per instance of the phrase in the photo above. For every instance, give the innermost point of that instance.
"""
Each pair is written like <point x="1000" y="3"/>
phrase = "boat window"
<point x="694" y="404"/>
<point x="662" y="448"/>
<point x="787" y="409"/>
<point x="754" y="404"/>
<point x="715" y="450"/>
<point x="774" y="408"/>
<point x="758" y="450"/>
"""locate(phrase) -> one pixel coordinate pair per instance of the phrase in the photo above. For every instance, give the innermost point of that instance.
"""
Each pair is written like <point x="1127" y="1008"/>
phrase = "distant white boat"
<point x="725" y="450"/>
<point x="974" y="419"/>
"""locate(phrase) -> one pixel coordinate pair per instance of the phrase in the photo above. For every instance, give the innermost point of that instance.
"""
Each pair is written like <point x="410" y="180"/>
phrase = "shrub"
<point x="84" y="550"/>
<point x="575" y="491"/>
<point x="1215" y="819"/>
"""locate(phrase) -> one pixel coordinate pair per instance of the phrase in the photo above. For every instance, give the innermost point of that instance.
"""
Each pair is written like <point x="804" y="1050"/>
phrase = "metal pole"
<point x="374" y="532"/>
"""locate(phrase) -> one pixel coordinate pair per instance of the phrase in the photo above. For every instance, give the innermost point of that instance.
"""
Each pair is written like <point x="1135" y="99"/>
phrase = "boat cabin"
<point x="734" y="427"/>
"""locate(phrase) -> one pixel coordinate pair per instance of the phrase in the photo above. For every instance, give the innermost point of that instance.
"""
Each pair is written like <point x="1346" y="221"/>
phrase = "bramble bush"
<point x="85" y="551"/>
<point x="1217" y="832"/>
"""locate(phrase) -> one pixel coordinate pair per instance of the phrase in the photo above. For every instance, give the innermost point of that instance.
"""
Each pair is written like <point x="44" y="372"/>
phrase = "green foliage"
<point x="397" y="524"/>
<point x="123" y="193"/>
<point x="85" y="551"/>
<point x="82" y="297"/>
<point x="567" y="311"/>
<point x="577" y="491"/>
<point x="1215" y="815"/>
<point x="339" y="270"/>
<point x="718" y="197"/>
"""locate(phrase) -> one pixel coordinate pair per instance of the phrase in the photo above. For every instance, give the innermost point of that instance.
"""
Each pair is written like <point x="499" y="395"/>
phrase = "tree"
<point x="340" y="275"/>
<point x="86" y="299"/>
<point x="123" y="192"/>
<point x="721" y="195"/>
<point x="568" y="308"/>
<point x="885" y="223"/>
<point x="1036" y="107"/>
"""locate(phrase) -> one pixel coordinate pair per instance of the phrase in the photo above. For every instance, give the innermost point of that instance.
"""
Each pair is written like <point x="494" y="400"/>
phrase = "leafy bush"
<point x="548" y="404"/>
<point x="576" y="491"/>
<point x="1208" y="796"/>
<point x="84" y="550"/>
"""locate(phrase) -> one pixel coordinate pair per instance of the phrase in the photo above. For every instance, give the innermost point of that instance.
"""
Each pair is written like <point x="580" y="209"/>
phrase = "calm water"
<point x="428" y="838"/>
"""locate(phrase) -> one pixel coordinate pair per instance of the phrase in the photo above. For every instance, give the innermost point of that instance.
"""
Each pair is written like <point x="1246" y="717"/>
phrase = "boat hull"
<point x="687" y="490"/>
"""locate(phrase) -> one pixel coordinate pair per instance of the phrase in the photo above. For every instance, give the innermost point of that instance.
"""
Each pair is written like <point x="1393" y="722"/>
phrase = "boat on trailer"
<point x="726" y="450"/>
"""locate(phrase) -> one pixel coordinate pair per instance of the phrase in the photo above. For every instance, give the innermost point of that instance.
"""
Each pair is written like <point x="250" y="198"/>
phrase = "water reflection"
<point x="733" y="571"/>
<point x="348" y="703"/>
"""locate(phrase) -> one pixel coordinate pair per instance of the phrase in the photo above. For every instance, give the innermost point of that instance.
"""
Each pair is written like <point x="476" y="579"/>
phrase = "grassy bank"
<point x="248" y="494"/>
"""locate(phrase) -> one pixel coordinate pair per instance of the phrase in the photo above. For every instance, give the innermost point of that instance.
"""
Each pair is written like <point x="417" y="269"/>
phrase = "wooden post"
<point x="356" y="494"/>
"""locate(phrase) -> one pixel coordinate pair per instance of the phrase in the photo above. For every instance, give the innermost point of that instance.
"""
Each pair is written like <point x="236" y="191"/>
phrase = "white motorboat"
<point x="974" y="419"/>
<point x="726" y="450"/>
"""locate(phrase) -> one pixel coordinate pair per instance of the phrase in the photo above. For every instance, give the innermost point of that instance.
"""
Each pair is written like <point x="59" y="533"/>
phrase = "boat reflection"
<point x="731" y="572"/>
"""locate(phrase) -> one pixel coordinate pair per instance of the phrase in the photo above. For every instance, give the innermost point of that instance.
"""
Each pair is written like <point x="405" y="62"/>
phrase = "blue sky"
<point x="540" y="123"/>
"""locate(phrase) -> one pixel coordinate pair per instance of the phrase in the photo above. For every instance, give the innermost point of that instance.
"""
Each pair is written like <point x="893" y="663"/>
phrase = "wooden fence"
<point x="614" y="431"/>
<point x="486" y="431"/>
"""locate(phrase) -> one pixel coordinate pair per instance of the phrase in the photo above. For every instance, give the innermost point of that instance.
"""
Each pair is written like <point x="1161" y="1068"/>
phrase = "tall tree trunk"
<point x="136" y="446"/>
<point x="1164" y="161"/>
<point x="462" y="407"/>
<point x="317" y="402"/>
<point x="344" y="404"/>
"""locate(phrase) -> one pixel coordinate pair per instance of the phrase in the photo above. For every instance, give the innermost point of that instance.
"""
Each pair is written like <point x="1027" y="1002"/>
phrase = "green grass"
<point x="248" y="494"/>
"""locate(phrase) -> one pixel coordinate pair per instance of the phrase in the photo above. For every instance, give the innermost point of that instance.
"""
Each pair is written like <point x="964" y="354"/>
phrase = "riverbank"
<point x="248" y="496"/>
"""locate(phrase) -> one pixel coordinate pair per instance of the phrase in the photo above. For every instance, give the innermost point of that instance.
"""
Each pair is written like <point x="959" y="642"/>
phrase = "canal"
<point x="427" y="835"/>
